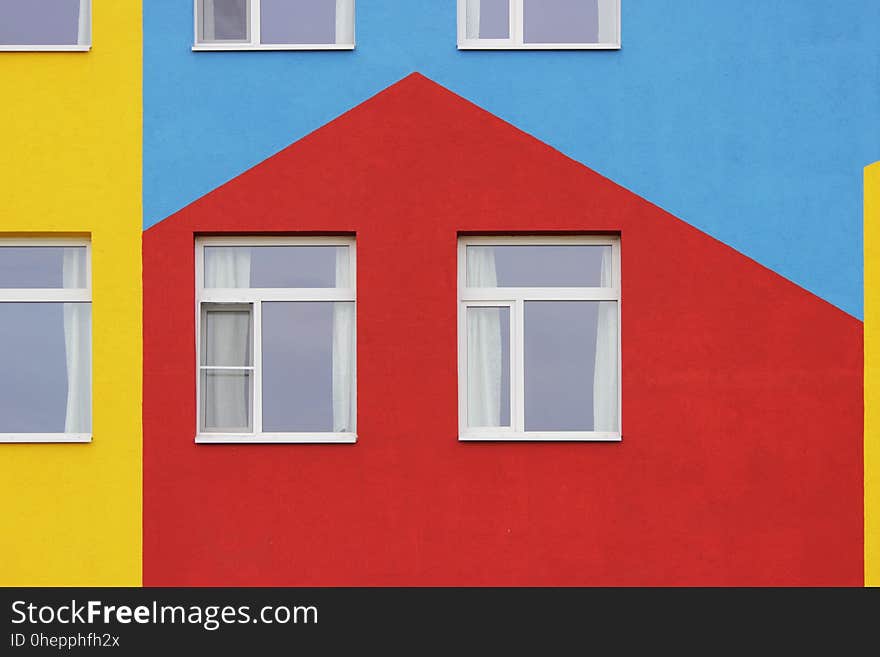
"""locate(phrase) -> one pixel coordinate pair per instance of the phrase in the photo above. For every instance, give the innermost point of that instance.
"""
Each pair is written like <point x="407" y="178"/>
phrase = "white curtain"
<point x="84" y="23"/>
<point x="484" y="349"/>
<point x="344" y="357"/>
<point x="608" y="14"/>
<point x="605" y="373"/>
<point x="227" y="266"/>
<point x="208" y="25"/>
<point x="227" y="395"/>
<point x="344" y="21"/>
<point x="77" y="345"/>
<point x="472" y="19"/>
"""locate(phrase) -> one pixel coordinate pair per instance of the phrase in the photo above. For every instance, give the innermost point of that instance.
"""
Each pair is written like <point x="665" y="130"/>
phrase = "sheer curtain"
<point x="484" y="349"/>
<point x="227" y="266"/>
<point x="227" y="397"/>
<point x="77" y="345"/>
<point x="605" y="372"/>
<point x="344" y="359"/>
<point x="472" y="19"/>
<point x="607" y="21"/>
<point x="83" y="23"/>
<point x="344" y="21"/>
<point x="208" y="25"/>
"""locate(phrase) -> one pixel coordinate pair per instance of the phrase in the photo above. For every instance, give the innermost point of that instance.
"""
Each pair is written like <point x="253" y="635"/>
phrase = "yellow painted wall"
<point x="872" y="375"/>
<point x="70" y="162"/>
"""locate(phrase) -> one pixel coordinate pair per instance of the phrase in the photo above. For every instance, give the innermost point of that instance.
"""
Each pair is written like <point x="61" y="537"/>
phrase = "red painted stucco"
<point x="741" y="459"/>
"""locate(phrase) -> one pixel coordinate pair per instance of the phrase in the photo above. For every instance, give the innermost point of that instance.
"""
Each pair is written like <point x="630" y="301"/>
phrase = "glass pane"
<point x="488" y="19"/>
<point x="226" y="401"/>
<point x="570" y="365"/>
<point x="277" y="266"/>
<point x="226" y="335"/>
<point x="561" y="21"/>
<point x="43" y="267"/>
<point x="225" y="20"/>
<point x="39" y="22"/>
<point x="488" y="360"/>
<point x="308" y="366"/>
<point x="298" y="21"/>
<point x="45" y="349"/>
<point x="539" y="266"/>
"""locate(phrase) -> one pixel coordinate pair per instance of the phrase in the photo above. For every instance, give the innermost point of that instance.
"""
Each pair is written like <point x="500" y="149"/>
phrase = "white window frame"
<point x="515" y="42"/>
<point x="49" y="295"/>
<point x="255" y="297"/>
<point x="254" y="42"/>
<point x="85" y="28"/>
<point x="515" y="298"/>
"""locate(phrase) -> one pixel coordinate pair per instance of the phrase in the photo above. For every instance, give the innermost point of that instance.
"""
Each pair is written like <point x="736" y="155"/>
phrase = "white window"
<point x="276" y="340"/>
<point x="274" y="25"/>
<point x="45" y="24"/>
<point x="45" y="341"/>
<point x="538" y="24"/>
<point x="538" y="338"/>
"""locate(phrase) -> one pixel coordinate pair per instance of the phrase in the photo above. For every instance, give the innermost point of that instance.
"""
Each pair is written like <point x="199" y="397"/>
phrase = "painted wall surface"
<point x="70" y="162"/>
<point x="741" y="460"/>
<point x="872" y="375"/>
<point x="750" y="120"/>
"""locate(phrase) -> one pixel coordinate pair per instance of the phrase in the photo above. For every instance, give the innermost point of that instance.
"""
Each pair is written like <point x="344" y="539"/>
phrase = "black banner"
<point x="135" y="621"/>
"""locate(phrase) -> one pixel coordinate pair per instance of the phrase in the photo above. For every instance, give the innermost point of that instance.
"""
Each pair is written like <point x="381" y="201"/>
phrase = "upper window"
<point x="538" y="24"/>
<point x="276" y="340"/>
<point x="45" y="24"/>
<point x="538" y="338"/>
<point x="45" y="341"/>
<point x="274" y="25"/>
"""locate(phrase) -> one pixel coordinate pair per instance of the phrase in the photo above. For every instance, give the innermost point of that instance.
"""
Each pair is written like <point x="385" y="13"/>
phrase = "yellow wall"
<point x="872" y="375"/>
<point x="70" y="161"/>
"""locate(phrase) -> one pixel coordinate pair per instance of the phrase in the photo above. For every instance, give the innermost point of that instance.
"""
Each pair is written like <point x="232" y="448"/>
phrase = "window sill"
<point x="277" y="438"/>
<point x="7" y="48"/>
<point x="45" y="437"/>
<point x="221" y="47"/>
<point x="541" y="436"/>
<point x="471" y="45"/>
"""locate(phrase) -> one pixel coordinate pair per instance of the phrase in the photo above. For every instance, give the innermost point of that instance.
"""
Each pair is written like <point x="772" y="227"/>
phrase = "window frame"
<point x="515" y="298"/>
<point x="515" y="41"/>
<point x="254" y="42"/>
<point x="85" y="19"/>
<point x="255" y="297"/>
<point x="51" y="295"/>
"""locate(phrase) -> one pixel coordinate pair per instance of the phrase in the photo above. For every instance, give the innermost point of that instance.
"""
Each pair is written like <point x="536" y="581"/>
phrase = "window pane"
<point x="277" y="266"/>
<point x="299" y="21"/>
<point x="226" y="401"/>
<point x="488" y="19"/>
<point x="225" y="20"/>
<point x="539" y="266"/>
<point x="43" y="267"/>
<point x="308" y="366"/>
<point x="561" y="21"/>
<point x="226" y="336"/>
<point x="488" y="365"/>
<point x="39" y="22"/>
<point x="570" y="365"/>
<point x="45" y="349"/>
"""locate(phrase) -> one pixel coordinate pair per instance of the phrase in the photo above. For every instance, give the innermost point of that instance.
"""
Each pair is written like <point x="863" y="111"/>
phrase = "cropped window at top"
<point x="274" y="24"/>
<point x="539" y="24"/>
<point x="538" y="338"/>
<point x="276" y="340"/>
<point x="45" y="24"/>
<point x="45" y="341"/>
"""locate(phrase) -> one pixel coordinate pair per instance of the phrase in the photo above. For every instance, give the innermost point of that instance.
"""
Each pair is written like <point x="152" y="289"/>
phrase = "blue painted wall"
<point x="750" y="120"/>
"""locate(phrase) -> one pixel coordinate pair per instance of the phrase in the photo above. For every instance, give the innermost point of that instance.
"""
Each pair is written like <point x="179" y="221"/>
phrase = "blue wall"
<point x="750" y="120"/>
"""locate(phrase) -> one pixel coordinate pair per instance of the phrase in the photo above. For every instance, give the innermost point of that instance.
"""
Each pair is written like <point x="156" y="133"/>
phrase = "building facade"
<point x="467" y="292"/>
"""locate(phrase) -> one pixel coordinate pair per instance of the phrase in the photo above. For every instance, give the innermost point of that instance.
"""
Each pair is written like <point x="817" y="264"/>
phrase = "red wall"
<point x="741" y="459"/>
